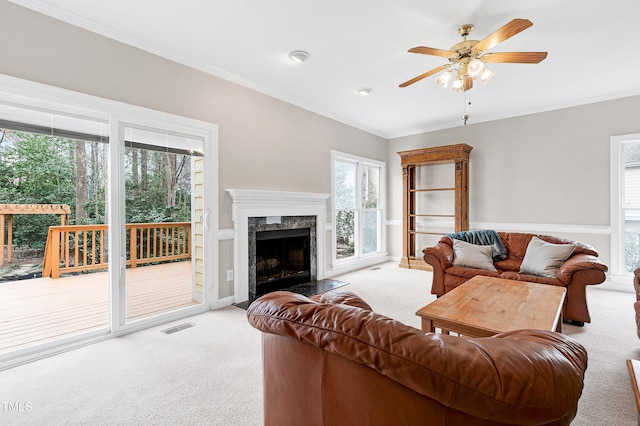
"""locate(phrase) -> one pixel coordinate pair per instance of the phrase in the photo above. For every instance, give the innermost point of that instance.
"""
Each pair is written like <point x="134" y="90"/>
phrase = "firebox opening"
<point x="283" y="259"/>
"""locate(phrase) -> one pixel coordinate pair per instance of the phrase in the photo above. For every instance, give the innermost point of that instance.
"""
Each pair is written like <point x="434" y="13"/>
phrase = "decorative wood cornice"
<point x="435" y="155"/>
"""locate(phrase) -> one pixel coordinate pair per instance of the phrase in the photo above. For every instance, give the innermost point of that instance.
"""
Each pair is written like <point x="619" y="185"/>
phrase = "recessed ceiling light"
<point x="364" y="91"/>
<point x="299" y="56"/>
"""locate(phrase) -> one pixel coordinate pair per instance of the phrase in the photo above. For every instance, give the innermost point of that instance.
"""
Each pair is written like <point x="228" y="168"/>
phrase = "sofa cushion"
<point x="472" y="255"/>
<point x="544" y="259"/>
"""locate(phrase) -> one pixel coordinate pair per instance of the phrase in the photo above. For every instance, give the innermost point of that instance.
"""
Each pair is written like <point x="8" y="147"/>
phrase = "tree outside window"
<point x="357" y="207"/>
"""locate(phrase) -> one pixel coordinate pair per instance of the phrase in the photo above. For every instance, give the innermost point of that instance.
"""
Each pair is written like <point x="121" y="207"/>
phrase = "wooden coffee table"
<point x="484" y="306"/>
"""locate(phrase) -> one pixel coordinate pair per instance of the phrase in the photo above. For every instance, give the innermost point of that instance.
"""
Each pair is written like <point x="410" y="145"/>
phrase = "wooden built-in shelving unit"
<point x="424" y="157"/>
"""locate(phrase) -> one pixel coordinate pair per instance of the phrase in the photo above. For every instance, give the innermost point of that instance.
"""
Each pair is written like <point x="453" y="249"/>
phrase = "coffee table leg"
<point x="427" y="326"/>
<point x="559" y="326"/>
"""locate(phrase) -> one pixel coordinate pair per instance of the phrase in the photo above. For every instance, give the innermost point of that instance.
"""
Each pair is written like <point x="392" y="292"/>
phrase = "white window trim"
<point x="617" y="274"/>
<point x="363" y="260"/>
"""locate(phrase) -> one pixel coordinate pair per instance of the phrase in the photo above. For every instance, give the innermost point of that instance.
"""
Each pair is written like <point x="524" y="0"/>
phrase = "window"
<point x="625" y="207"/>
<point x="358" y="200"/>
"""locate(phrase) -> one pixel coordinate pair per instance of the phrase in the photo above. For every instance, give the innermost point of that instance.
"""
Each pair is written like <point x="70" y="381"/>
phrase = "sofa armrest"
<point x="441" y="253"/>
<point x="579" y="262"/>
<point x="440" y="257"/>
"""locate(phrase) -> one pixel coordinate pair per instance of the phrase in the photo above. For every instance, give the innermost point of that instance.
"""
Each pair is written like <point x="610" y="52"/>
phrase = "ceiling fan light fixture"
<point x="457" y="84"/>
<point x="475" y="68"/>
<point x="443" y="79"/>
<point x="486" y="75"/>
<point x="467" y="58"/>
<point x="299" y="56"/>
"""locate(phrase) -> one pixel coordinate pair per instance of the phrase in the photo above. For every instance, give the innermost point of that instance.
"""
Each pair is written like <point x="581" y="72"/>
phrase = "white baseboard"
<point x="221" y="303"/>
<point x="354" y="265"/>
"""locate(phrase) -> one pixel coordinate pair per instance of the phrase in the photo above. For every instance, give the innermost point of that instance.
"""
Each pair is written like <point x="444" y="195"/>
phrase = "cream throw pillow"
<point x="544" y="259"/>
<point x="472" y="255"/>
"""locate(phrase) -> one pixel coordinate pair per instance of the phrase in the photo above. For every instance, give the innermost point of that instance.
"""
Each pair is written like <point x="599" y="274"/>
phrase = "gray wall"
<point x="544" y="169"/>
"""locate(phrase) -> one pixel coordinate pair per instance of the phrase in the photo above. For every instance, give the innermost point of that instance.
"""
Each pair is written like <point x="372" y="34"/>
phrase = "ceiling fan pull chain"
<point x="467" y="101"/>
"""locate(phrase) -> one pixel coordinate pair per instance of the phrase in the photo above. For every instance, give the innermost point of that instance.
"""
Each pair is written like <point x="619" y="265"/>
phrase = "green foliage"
<point x="36" y="169"/>
<point x="345" y="194"/>
<point x="347" y="227"/>
<point x="149" y="204"/>
<point x="345" y="233"/>
<point x="370" y="183"/>
<point x="96" y="209"/>
<point x="41" y="169"/>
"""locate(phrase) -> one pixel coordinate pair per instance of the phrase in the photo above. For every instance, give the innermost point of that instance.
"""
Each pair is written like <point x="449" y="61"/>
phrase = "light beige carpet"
<point x="211" y="374"/>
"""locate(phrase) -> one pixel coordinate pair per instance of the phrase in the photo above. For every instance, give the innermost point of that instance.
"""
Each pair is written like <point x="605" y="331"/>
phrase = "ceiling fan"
<point x="470" y="57"/>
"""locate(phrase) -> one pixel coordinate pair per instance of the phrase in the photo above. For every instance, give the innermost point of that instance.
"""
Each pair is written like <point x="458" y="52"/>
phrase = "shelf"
<point x="432" y="215"/>
<point x="426" y="233"/>
<point x="432" y="189"/>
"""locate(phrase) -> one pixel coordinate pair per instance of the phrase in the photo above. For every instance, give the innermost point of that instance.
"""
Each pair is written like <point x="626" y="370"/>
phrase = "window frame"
<point x="359" y="259"/>
<point x="618" y="275"/>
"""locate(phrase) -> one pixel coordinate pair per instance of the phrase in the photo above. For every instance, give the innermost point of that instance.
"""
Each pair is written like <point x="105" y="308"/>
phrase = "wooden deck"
<point x="43" y="309"/>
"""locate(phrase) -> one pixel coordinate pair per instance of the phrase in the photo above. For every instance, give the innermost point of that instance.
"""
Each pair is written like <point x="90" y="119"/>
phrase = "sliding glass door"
<point x="163" y="239"/>
<point x="104" y="223"/>
<point x="53" y="226"/>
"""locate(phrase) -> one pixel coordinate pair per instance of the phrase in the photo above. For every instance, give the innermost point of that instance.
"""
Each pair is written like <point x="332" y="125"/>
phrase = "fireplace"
<point x="283" y="259"/>
<point x="282" y="252"/>
<point x="256" y="211"/>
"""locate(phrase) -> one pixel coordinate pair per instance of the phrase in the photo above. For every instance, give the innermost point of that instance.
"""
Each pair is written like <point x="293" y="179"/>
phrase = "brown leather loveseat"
<point x="580" y="269"/>
<point x="330" y="360"/>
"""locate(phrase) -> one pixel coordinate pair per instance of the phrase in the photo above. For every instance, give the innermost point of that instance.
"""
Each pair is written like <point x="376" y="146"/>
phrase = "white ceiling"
<point x="593" y="52"/>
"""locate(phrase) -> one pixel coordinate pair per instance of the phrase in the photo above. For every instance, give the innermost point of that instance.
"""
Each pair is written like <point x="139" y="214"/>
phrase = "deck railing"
<point x="77" y="248"/>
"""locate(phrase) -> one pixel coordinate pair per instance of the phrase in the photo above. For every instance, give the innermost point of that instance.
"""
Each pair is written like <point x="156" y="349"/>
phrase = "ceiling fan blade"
<point x="514" y="57"/>
<point x="467" y="83"/>
<point x="503" y="33"/>
<point x="425" y="75"/>
<point x="432" y="51"/>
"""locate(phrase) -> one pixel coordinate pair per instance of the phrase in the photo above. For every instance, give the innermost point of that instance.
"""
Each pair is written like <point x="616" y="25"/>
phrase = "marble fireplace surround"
<point x="248" y="203"/>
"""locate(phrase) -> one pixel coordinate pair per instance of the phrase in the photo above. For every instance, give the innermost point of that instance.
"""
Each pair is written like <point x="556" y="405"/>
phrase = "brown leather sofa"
<point x="332" y="361"/>
<point x="582" y="268"/>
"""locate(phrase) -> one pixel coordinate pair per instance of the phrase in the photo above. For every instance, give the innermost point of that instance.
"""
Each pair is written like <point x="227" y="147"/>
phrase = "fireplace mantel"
<point x="248" y="203"/>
